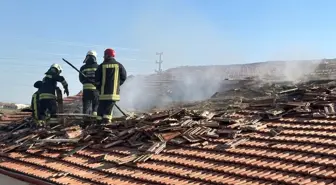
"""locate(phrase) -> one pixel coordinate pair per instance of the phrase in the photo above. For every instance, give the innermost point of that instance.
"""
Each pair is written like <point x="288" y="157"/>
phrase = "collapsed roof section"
<point x="258" y="134"/>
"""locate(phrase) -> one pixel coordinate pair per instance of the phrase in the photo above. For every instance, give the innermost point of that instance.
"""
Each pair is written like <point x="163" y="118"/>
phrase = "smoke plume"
<point x="189" y="40"/>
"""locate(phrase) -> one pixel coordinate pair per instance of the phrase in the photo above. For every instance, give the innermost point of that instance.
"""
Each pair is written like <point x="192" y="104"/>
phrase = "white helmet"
<point x="92" y="52"/>
<point x="58" y="67"/>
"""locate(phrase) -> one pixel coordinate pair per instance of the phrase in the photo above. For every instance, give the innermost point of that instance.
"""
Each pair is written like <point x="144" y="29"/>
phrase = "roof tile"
<point x="303" y="153"/>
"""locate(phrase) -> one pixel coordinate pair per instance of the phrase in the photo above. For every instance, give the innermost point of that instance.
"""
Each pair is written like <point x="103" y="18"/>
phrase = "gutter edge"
<point x="25" y="178"/>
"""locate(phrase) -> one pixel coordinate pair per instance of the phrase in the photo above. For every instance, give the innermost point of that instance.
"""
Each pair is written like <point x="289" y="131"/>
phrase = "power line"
<point x="159" y="62"/>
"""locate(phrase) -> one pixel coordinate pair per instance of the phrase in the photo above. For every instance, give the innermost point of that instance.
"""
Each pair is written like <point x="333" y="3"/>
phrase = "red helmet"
<point x="109" y="53"/>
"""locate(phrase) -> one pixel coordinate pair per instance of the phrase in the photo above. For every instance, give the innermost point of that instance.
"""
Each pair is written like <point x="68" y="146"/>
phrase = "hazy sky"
<point x="37" y="33"/>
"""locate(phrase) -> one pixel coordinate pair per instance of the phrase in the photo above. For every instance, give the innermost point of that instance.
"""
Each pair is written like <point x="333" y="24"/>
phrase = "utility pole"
<point x="159" y="62"/>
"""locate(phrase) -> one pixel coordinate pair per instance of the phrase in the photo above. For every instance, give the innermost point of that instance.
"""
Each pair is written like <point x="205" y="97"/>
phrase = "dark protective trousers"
<point x="90" y="101"/>
<point x="105" y="110"/>
<point x="48" y="105"/>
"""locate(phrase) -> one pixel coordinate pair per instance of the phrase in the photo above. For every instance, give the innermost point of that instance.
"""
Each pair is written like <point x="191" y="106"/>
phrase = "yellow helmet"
<point x="58" y="67"/>
<point x="92" y="53"/>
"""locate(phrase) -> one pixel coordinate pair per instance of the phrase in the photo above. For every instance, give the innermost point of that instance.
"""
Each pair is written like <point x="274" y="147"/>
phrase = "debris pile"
<point x="149" y="134"/>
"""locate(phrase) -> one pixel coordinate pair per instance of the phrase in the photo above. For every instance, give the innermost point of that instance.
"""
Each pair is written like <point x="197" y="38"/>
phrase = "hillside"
<point x="193" y="83"/>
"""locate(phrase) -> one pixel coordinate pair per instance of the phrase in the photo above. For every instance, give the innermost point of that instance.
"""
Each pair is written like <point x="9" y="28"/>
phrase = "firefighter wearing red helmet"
<point x="110" y="75"/>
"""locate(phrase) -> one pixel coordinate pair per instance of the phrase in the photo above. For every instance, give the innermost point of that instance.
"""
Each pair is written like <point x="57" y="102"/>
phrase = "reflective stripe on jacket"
<point x="109" y="76"/>
<point x="35" y="105"/>
<point x="89" y="70"/>
<point x="44" y="96"/>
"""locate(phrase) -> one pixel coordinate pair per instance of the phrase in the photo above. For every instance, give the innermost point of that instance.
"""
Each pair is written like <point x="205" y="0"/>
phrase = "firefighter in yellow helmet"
<point x="48" y="101"/>
<point x="90" y="93"/>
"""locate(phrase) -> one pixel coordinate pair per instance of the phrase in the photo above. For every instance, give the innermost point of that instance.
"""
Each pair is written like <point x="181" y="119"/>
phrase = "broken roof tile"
<point x="269" y="140"/>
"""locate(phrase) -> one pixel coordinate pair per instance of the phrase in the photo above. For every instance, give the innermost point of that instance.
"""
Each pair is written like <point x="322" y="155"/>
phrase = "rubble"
<point x="151" y="133"/>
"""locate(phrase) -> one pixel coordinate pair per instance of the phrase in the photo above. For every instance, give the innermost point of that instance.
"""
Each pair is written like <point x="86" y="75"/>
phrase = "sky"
<point x="38" y="33"/>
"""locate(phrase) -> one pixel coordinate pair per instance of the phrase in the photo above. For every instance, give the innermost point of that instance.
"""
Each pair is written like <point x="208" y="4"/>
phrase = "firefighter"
<point x="110" y="75"/>
<point x="35" y="106"/>
<point x="90" y="93"/>
<point x="48" y="102"/>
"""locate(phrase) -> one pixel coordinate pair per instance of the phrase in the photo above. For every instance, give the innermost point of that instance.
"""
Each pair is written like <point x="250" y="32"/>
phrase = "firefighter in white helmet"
<point x="48" y="101"/>
<point x="90" y="93"/>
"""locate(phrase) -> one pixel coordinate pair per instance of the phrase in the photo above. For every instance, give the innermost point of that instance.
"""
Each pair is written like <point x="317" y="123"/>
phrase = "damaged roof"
<point x="264" y="134"/>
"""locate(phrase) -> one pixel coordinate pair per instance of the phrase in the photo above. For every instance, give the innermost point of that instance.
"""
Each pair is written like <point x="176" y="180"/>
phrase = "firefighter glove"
<point x="40" y="123"/>
<point x="66" y="91"/>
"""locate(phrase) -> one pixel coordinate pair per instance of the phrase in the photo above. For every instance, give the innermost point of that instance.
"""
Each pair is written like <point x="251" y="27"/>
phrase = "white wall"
<point x="21" y="106"/>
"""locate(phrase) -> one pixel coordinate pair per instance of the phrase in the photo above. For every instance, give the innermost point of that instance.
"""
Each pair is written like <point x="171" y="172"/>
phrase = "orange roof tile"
<point x="304" y="153"/>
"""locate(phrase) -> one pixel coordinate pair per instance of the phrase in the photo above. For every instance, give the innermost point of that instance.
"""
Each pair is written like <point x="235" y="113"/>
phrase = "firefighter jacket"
<point x="89" y="70"/>
<point x="49" y="85"/>
<point x="109" y="76"/>
<point x="35" y="105"/>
